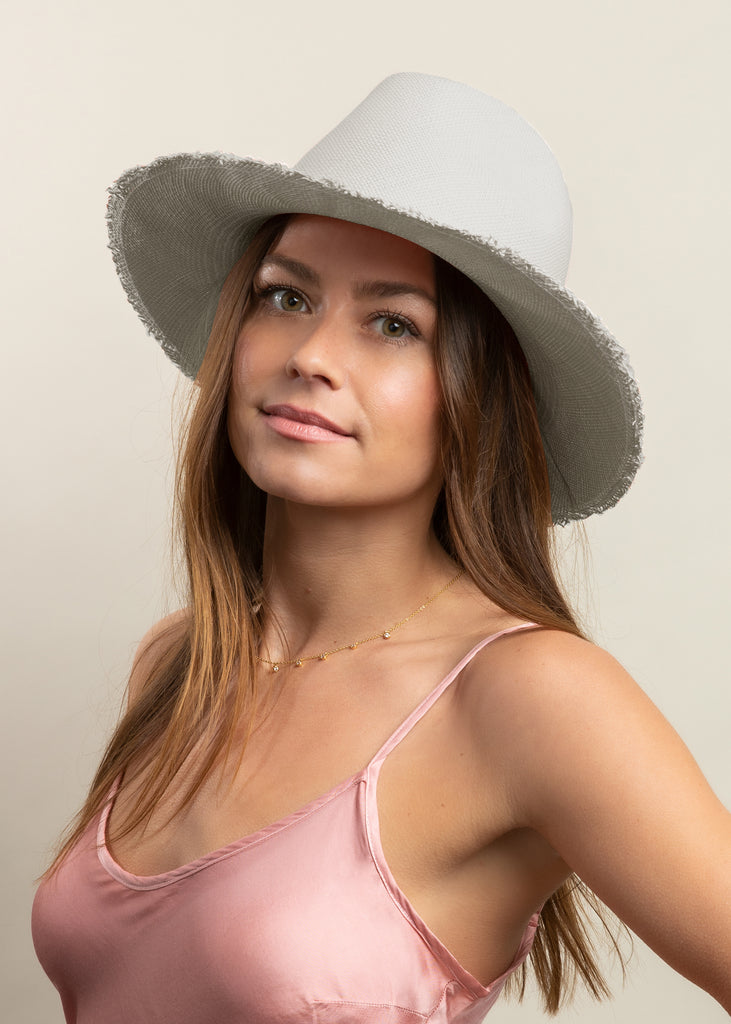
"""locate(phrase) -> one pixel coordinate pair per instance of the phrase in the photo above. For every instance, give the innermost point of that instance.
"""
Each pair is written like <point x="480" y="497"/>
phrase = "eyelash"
<point x="262" y="292"/>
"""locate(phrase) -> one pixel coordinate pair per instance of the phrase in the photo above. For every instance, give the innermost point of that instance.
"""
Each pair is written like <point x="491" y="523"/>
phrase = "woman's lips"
<point x="303" y="424"/>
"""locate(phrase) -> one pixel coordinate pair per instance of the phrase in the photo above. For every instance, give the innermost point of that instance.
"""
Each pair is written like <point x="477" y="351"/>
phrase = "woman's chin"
<point x="323" y="493"/>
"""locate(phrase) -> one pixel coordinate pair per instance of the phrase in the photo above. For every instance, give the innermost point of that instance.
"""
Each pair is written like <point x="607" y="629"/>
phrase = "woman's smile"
<point x="303" y="424"/>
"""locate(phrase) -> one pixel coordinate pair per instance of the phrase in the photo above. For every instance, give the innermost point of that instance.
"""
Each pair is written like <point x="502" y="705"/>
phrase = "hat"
<point x="440" y="164"/>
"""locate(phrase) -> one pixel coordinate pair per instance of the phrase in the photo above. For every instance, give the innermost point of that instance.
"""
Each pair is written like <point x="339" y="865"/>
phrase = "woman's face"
<point x="335" y="397"/>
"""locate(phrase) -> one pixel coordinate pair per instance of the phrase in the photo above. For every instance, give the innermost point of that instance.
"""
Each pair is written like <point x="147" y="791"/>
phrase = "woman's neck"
<point x="332" y="576"/>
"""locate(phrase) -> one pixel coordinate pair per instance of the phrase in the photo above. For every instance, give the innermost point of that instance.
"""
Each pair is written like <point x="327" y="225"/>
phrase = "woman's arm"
<point x="598" y="771"/>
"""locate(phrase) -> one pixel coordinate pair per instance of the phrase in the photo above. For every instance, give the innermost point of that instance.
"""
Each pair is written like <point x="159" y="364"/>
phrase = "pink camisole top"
<point x="299" y="923"/>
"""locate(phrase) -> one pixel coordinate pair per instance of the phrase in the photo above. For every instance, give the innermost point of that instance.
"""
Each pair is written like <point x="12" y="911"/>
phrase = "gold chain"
<point x="386" y="634"/>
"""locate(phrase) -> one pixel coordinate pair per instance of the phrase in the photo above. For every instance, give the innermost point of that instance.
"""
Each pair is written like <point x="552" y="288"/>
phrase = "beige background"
<point x="633" y="98"/>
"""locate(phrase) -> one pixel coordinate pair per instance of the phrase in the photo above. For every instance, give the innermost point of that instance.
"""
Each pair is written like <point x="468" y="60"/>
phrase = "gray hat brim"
<point x="178" y="225"/>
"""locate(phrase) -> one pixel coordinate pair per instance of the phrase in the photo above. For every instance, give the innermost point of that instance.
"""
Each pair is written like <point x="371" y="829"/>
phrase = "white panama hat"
<point x="447" y="167"/>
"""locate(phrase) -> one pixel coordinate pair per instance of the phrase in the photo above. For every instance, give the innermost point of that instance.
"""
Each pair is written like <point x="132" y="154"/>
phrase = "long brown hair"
<point x="493" y="517"/>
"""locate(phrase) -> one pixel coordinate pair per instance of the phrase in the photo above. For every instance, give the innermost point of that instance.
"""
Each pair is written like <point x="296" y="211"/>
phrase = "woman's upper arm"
<point x="147" y="651"/>
<point x="598" y="771"/>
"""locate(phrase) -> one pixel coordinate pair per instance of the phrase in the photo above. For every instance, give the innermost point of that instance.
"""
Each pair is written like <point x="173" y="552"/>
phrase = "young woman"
<point x="362" y="773"/>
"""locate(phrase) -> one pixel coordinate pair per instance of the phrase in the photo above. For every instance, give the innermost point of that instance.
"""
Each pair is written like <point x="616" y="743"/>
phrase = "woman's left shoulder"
<point x="539" y="665"/>
<point x="570" y="726"/>
<point x="540" y="693"/>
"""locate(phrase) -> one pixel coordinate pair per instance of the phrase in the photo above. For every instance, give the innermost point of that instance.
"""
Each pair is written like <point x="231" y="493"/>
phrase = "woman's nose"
<point x="319" y="353"/>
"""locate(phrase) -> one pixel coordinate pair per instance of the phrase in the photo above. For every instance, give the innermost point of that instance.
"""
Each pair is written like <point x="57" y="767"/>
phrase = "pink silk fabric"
<point x="298" y="923"/>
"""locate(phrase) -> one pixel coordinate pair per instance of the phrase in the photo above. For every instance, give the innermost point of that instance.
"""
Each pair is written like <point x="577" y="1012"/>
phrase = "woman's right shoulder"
<point x="165" y="631"/>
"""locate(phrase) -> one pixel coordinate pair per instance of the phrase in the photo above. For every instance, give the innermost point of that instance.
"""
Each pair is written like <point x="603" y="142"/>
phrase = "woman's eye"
<point x="285" y="299"/>
<point x="392" y="326"/>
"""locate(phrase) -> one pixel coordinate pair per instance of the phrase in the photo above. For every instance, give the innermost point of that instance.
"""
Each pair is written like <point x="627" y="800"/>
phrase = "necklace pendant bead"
<point x="275" y="668"/>
<point x="386" y="635"/>
<point x="298" y="663"/>
<point x="353" y="647"/>
<point x="322" y="657"/>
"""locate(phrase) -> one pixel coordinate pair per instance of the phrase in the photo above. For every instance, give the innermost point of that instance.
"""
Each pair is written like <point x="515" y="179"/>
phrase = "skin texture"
<point x="542" y="758"/>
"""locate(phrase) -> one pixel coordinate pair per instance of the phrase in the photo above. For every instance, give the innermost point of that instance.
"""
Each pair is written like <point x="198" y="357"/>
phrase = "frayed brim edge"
<point x="120" y="191"/>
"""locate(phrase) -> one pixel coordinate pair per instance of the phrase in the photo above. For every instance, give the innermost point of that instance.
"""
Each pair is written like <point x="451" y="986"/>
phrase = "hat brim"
<point x="178" y="225"/>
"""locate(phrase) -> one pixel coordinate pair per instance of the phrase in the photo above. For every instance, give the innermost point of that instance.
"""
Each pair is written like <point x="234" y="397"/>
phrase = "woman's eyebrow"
<point x="385" y="289"/>
<point x="361" y="289"/>
<point x="302" y="271"/>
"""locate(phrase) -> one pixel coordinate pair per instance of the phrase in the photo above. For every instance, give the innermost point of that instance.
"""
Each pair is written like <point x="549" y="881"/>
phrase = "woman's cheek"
<point x="409" y="410"/>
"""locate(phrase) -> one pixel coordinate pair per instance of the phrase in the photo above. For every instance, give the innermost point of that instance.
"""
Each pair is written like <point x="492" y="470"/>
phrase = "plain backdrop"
<point x="632" y="95"/>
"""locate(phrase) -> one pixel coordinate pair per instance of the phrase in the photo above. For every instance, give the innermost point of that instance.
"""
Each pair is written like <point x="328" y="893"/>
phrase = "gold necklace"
<point x="386" y="634"/>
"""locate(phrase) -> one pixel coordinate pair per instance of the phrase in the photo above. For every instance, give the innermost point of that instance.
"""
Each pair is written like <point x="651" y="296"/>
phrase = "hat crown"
<point x="453" y="156"/>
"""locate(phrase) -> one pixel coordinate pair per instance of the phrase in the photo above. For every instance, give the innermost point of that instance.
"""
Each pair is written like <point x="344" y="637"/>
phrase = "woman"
<point x="396" y="399"/>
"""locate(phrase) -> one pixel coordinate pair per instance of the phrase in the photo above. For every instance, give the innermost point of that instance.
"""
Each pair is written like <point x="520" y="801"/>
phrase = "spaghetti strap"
<point x="418" y="712"/>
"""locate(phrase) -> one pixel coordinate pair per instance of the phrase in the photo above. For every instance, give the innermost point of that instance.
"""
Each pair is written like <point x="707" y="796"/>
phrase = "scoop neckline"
<point x="160" y="879"/>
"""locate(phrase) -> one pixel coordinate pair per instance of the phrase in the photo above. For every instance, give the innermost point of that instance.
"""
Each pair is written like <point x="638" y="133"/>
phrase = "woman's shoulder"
<point x="162" y="633"/>
<point x="532" y="687"/>
<point x="528" y="658"/>
<point x="564" y="720"/>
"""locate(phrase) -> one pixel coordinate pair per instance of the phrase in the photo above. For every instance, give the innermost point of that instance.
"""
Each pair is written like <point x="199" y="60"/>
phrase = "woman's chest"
<point x="426" y="808"/>
<point x="303" y="750"/>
